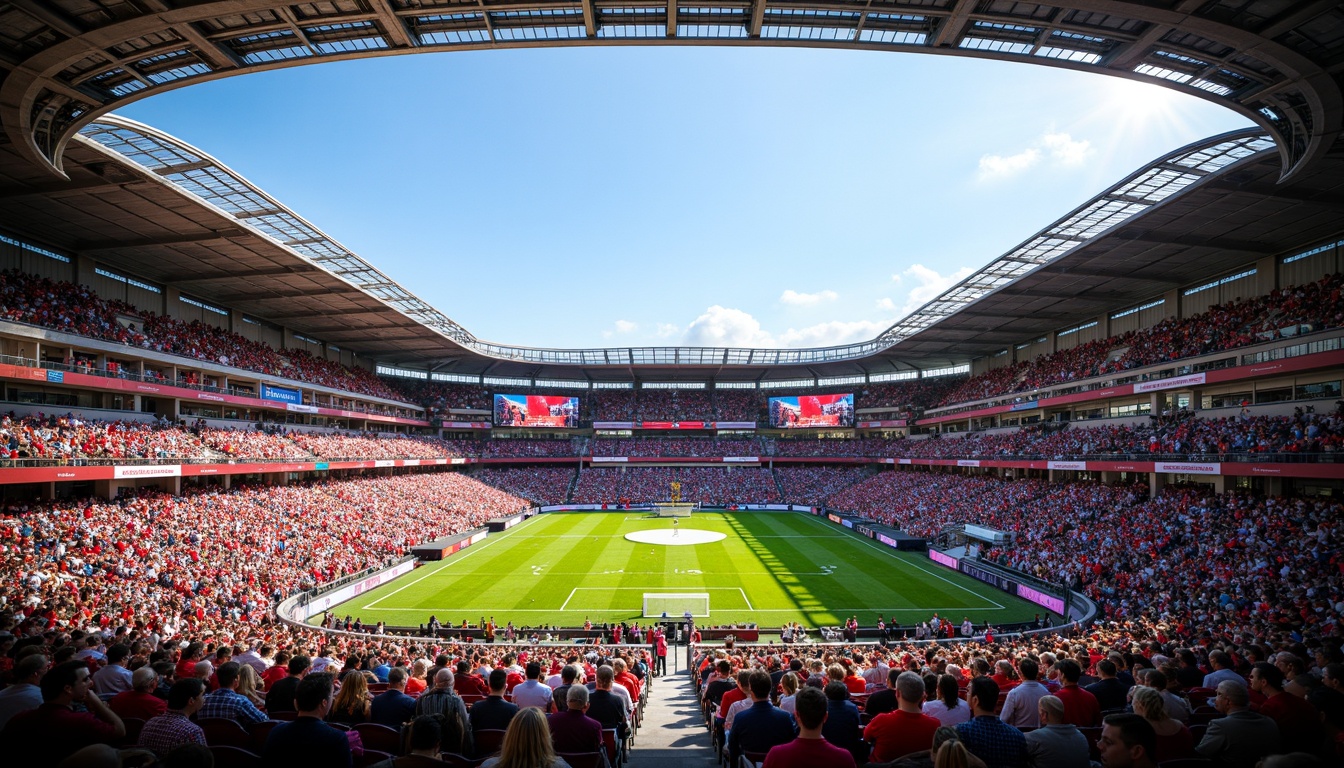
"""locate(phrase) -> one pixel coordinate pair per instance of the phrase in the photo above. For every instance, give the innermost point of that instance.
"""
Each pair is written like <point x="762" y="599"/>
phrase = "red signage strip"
<point x="107" y="383"/>
<point x="1238" y="373"/>
<point x="14" y="475"/>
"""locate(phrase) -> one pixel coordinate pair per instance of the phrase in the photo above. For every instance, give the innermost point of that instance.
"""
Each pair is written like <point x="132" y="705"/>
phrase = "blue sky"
<point x="673" y="195"/>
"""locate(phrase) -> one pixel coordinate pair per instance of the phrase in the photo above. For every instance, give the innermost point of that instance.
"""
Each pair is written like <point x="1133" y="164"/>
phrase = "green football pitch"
<point x="771" y="568"/>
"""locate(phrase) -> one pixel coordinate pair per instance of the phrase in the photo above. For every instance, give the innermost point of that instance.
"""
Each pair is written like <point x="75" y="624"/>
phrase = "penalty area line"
<point x="887" y="551"/>
<point x="446" y="564"/>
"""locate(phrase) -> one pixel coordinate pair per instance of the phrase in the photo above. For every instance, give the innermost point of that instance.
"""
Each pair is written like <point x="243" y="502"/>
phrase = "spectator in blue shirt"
<point x="762" y="725"/>
<point x="393" y="707"/>
<point x="987" y="737"/>
<point x="226" y="702"/>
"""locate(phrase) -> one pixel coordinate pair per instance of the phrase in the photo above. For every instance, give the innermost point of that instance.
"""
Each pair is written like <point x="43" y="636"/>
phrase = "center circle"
<point x="675" y="537"/>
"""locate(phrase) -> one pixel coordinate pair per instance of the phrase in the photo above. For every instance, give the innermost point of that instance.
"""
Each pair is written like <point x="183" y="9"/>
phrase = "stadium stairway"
<point x="673" y="732"/>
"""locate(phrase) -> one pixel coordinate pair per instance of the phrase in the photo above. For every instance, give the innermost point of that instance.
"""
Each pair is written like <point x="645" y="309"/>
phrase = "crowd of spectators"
<point x="513" y="448"/>
<point x="1283" y="312"/>
<point x="70" y="439"/>
<point x="738" y="405"/>
<point x="213" y="560"/>
<point x="612" y="405"/>
<point x="701" y="485"/>
<point x="811" y="486"/>
<point x="674" y="405"/>
<point x="251" y="444"/>
<point x="676" y="446"/>
<point x="540" y="485"/>
<point x="438" y="396"/>
<point x="75" y="309"/>
<point x="364" y="447"/>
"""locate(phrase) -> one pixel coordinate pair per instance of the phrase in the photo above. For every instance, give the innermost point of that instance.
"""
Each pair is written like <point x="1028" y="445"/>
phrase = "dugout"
<point x="893" y="537"/>
<point x="438" y="549"/>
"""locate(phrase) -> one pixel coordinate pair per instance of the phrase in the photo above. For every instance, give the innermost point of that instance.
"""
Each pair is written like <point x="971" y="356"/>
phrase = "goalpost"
<point x="674" y="509"/>
<point x="675" y="605"/>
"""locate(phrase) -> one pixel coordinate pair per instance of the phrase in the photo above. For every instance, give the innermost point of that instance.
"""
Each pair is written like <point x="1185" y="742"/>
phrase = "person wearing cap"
<point x="139" y="702"/>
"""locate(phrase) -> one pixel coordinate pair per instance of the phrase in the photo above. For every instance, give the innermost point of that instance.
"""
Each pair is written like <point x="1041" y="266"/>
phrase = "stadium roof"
<point x="70" y="61"/>
<point x="145" y="202"/>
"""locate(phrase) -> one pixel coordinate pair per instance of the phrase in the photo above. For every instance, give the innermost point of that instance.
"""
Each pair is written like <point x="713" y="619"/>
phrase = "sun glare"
<point x="1137" y="104"/>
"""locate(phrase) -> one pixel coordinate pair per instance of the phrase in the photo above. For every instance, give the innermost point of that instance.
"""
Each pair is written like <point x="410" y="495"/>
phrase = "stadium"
<point x="264" y="505"/>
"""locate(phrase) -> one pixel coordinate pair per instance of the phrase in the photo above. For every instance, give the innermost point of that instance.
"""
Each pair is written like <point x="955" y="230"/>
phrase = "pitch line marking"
<point x="795" y="611"/>
<point x="939" y="576"/>
<point x="446" y="564"/>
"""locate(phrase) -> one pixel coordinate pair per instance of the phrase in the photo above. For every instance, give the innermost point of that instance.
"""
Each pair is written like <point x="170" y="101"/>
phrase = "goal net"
<point x="673" y="510"/>
<point x="674" y="605"/>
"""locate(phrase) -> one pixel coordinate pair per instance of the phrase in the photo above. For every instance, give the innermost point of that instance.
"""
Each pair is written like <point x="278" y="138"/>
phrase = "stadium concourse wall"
<point x="35" y="369"/>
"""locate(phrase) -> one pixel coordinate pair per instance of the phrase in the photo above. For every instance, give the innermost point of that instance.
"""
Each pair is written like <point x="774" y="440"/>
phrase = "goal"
<point x="667" y="509"/>
<point x="675" y="605"/>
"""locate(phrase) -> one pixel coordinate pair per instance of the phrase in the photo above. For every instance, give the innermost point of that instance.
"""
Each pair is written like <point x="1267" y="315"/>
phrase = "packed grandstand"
<point x="1134" y="421"/>
<point x="1189" y="577"/>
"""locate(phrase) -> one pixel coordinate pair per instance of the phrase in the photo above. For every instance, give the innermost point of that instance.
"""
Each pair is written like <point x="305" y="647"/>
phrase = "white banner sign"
<point x="740" y="459"/>
<point x="609" y="459"/>
<point x="1075" y="465"/>
<point x="384" y="463"/>
<point x="968" y="462"/>
<point x="158" y="470"/>
<point x="1188" y="467"/>
<point x="1179" y="381"/>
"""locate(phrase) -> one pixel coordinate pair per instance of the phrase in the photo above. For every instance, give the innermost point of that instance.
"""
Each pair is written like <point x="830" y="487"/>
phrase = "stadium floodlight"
<point x="675" y="605"/>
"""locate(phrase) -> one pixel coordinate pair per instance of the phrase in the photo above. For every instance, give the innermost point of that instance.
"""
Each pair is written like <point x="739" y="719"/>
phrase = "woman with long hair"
<point x="249" y="685"/>
<point x="527" y="744"/>
<point x="948" y="708"/>
<point x="1174" y="740"/>
<point x="790" y="685"/>
<point x="352" y="704"/>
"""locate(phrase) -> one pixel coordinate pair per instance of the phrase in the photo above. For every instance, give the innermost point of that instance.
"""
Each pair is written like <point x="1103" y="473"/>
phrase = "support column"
<point x="1156" y="482"/>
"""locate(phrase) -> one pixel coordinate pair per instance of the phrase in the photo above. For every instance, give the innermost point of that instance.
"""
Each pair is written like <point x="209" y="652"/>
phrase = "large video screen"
<point x="536" y="411"/>
<point x="812" y="411"/>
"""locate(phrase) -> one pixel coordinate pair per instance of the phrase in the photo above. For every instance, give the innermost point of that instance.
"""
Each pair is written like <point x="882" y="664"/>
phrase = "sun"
<point x="1143" y="106"/>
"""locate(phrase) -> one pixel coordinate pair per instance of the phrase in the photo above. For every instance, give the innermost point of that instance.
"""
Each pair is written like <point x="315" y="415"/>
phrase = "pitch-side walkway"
<point x="673" y="735"/>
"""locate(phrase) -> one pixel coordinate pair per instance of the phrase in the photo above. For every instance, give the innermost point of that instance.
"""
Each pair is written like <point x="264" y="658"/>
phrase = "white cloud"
<point x="1064" y="150"/>
<point x="726" y="327"/>
<point x="1000" y="167"/>
<point x="622" y="327"/>
<point x="807" y="299"/>
<point x="1059" y="147"/>
<point x="667" y="330"/>
<point x="722" y="326"/>
<point x="832" y="333"/>
<point x="929" y="285"/>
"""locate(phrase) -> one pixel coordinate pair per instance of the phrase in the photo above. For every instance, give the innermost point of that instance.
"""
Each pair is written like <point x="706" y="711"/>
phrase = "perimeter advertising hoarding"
<point x="536" y="411"/>
<point x="812" y="411"/>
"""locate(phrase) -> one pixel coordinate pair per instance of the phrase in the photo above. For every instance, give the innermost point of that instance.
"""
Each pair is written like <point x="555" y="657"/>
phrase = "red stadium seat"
<point x="223" y="732"/>
<point x="379" y="737"/>
<point x="234" y="757"/>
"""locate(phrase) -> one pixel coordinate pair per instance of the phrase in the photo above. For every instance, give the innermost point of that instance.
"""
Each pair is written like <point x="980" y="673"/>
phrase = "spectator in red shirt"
<point x="53" y="731"/>
<point x="1080" y="707"/>
<point x="139" y="702"/>
<point x="1297" y="718"/>
<point x="905" y="730"/>
<point x="809" y="749"/>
